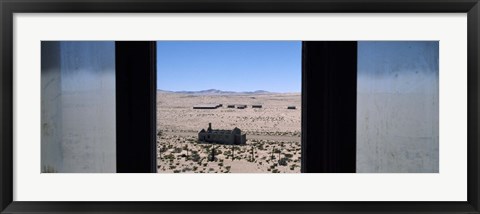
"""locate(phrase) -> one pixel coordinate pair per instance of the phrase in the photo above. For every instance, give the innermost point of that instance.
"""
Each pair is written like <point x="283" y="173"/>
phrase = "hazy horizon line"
<point x="213" y="89"/>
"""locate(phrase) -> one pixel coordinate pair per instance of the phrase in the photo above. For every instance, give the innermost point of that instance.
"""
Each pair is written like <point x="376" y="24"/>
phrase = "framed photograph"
<point x="239" y="106"/>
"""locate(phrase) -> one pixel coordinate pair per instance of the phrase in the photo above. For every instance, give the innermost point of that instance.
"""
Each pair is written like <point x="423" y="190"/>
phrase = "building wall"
<point x="241" y="139"/>
<point x="397" y="107"/>
<point x="223" y="139"/>
<point x="78" y="107"/>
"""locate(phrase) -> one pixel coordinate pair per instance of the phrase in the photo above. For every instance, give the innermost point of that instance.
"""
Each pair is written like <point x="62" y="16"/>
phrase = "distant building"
<point x="241" y="106"/>
<point x="230" y="106"/>
<point x="207" y="106"/>
<point x="256" y="106"/>
<point x="291" y="107"/>
<point x="230" y="137"/>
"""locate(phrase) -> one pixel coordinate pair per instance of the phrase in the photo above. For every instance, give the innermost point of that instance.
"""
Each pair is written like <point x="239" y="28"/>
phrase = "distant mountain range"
<point x="216" y="92"/>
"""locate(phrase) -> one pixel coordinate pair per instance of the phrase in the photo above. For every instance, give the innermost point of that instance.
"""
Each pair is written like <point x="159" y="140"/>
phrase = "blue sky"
<point x="229" y="65"/>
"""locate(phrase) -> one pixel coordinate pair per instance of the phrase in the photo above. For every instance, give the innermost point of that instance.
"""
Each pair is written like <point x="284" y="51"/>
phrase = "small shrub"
<point x="163" y="148"/>
<point x="283" y="161"/>
<point x="170" y="157"/>
<point x="195" y="157"/>
<point x="218" y="151"/>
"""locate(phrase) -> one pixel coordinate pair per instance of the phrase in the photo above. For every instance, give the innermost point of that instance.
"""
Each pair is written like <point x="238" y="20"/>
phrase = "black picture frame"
<point x="9" y="7"/>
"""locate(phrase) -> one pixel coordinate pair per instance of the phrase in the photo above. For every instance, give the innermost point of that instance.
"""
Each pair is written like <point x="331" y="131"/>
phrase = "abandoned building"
<point x="291" y="107"/>
<point x="207" y="106"/>
<point x="256" y="106"/>
<point x="241" y="106"/>
<point x="221" y="136"/>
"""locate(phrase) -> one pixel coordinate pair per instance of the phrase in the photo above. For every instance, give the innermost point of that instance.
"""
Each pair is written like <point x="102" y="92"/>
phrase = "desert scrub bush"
<point x="176" y="171"/>
<point x="228" y="168"/>
<point x="218" y="151"/>
<point x="220" y="164"/>
<point x="204" y="164"/>
<point x="288" y="155"/>
<point x="275" y="171"/>
<point x="163" y="148"/>
<point x="292" y="167"/>
<point x="170" y="157"/>
<point x="177" y="150"/>
<point x="283" y="161"/>
<point x="195" y="157"/>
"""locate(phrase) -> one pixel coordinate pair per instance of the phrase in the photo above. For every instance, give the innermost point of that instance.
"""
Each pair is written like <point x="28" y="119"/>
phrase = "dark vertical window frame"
<point x="473" y="78"/>
<point x="329" y="84"/>
<point x="135" y="67"/>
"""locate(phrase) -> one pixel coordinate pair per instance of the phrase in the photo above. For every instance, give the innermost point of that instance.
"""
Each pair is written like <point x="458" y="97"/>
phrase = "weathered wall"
<point x="78" y="107"/>
<point x="397" y="107"/>
<point x="51" y="108"/>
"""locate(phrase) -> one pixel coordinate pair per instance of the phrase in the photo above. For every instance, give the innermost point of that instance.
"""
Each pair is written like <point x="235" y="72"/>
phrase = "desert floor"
<point x="273" y="133"/>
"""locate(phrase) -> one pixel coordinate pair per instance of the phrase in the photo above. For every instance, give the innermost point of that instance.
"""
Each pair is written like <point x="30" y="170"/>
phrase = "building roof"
<point x="206" y="105"/>
<point x="222" y="131"/>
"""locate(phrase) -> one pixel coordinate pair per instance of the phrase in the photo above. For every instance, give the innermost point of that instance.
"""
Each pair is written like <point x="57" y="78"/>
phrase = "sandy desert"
<point x="273" y="132"/>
